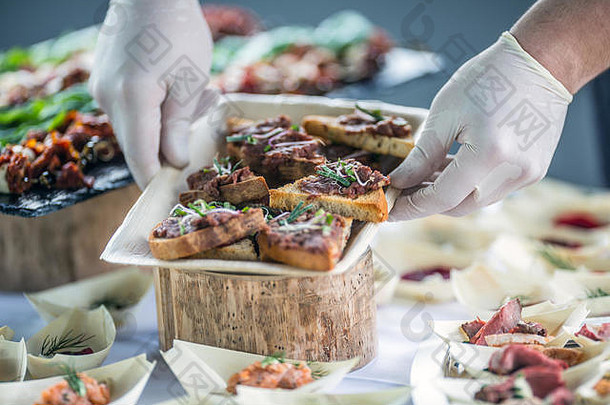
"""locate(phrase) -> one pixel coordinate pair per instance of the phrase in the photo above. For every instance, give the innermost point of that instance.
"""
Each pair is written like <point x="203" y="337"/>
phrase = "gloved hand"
<point x="507" y="111"/>
<point x="152" y="64"/>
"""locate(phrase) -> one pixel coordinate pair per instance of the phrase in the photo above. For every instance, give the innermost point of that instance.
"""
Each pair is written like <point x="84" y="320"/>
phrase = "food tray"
<point x="129" y="244"/>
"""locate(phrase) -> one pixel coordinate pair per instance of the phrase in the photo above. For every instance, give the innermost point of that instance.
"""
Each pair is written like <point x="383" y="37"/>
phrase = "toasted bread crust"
<point x="253" y="189"/>
<point x="301" y="258"/>
<point x="370" y="207"/>
<point x="208" y="238"/>
<point x="327" y="127"/>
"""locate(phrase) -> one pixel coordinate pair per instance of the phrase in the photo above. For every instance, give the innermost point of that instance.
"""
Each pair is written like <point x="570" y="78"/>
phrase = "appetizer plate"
<point x="129" y="244"/>
<point x="13" y="360"/>
<point x="211" y="368"/>
<point x="126" y="380"/>
<point x="73" y="331"/>
<point x="119" y="291"/>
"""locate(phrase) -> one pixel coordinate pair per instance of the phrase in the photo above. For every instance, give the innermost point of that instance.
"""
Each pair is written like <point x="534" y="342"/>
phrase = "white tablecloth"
<point x="401" y="327"/>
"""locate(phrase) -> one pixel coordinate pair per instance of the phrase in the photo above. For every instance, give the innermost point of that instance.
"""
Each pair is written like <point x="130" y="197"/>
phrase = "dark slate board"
<point x="39" y="202"/>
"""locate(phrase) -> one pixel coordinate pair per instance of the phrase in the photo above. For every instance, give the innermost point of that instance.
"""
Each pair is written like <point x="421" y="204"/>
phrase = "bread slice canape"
<point x="364" y="129"/>
<point x="345" y="187"/>
<point x="225" y="181"/>
<point x="305" y="238"/>
<point x="274" y="148"/>
<point x="201" y="227"/>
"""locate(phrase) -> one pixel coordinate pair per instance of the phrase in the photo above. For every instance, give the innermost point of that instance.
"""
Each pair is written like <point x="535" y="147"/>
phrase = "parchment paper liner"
<point x="587" y="395"/>
<point x="401" y="254"/>
<point x="6" y="332"/>
<point x="97" y="323"/>
<point x="129" y="246"/>
<point x="212" y="367"/>
<point x="578" y="285"/>
<point x="127" y="285"/>
<point x="393" y="396"/>
<point x="126" y="380"/>
<point x="559" y="321"/>
<point x="475" y="360"/>
<point x="13" y="360"/>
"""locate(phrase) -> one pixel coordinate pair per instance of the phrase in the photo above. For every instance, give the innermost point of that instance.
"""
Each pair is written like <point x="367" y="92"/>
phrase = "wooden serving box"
<point x="258" y="307"/>
<point x="65" y="246"/>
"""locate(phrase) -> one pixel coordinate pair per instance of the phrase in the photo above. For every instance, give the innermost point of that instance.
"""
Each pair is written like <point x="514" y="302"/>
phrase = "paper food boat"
<point x="95" y="326"/>
<point x="592" y="288"/>
<point x="400" y="255"/>
<point x="212" y="367"/>
<point x="126" y="380"/>
<point x="129" y="244"/>
<point x="559" y="321"/>
<point x="13" y="359"/>
<point x="119" y="291"/>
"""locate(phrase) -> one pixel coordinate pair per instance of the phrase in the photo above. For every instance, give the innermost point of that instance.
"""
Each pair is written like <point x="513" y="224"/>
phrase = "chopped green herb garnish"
<point x="182" y="228"/>
<point x="375" y="114"/>
<point x="267" y="148"/>
<point x="279" y="357"/>
<point x="178" y="212"/>
<point x="240" y="138"/>
<point x="297" y="212"/>
<point x="325" y="171"/>
<point x="295" y="127"/>
<point x="75" y="383"/>
<point x="196" y="209"/>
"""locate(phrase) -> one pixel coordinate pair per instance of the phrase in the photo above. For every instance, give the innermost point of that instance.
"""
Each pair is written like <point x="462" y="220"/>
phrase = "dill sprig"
<point x="74" y="382"/>
<point x="375" y="114"/>
<point x="554" y="259"/>
<point x="52" y="345"/>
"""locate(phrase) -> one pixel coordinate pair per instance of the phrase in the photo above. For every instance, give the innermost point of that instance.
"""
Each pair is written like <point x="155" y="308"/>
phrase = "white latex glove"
<point x="152" y="64"/>
<point x="507" y="112"/>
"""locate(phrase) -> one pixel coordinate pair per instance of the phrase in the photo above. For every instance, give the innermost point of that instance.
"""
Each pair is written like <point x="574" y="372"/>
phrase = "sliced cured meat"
<point x="502" y="321"/>
<point x="516" y="357"/>
<point x="599" y="333"/>
<point x="543" y="380"/>
<point x="576" y="219"/>
<point x="471" y="328"/>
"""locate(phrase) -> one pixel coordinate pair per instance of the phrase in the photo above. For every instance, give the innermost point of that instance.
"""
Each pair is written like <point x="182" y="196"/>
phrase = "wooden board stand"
<point x="65" y="246"/>
<point x="320" y="318"/>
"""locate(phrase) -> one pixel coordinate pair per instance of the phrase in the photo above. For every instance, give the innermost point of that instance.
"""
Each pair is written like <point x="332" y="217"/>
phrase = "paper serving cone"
<point x="95" y="327"/>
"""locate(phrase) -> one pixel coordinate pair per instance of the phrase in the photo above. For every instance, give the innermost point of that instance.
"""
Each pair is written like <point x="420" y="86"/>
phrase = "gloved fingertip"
<point x="404" y="209"/>
<point x="145" y="173"/>
<point x="174" y="144"/>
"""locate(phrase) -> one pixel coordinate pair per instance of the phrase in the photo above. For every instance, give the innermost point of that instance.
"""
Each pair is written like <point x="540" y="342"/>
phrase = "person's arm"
<point x="152" y="65"/>
<point x="571" y="38"/>
<point x="506" y="106"/>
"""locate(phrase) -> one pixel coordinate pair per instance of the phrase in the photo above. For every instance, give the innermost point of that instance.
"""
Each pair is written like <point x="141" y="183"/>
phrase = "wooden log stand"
<point x="321" y="318"/>
<point x="43" y="252"/>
